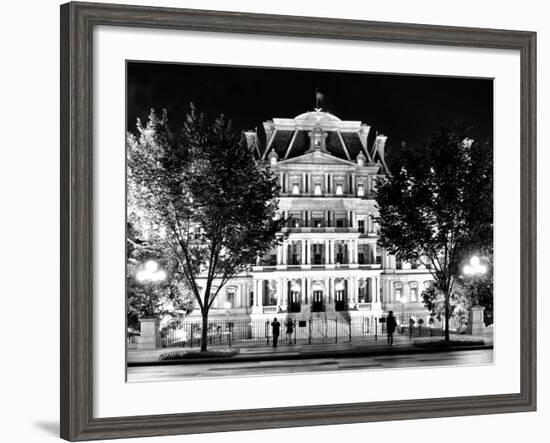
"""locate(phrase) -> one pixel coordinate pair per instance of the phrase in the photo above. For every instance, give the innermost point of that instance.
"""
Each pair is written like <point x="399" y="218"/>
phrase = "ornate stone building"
<point x="330" y="262"/>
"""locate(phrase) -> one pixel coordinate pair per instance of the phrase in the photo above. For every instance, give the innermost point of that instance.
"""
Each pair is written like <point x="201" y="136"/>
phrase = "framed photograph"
<point x="272" y="221"/>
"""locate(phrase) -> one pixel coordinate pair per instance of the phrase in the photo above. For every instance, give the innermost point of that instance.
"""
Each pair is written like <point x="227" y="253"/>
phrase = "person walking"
<point x="391" y="324"/>
<point x="411" y="326"/>
<point x="276" y="327"/>
<point x="289" y="330"/>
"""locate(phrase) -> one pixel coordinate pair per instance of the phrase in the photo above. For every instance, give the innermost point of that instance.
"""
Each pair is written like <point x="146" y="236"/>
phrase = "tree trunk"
<point x="447" y="314"/>
<point x="204" y="330"/>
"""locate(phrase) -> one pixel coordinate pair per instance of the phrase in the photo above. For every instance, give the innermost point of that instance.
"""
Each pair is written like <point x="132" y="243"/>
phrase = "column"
<point x="374" y="252"/>
<point x="371" y="289"/>
<point x="279" y="291"/>
<point x="303" y="251"/>
<point x="279" y="254"/>
<point x="327" y="245"/>
<point x="302" y="289"/>
<point x="326" y="291"/>
<point x="260" y="300"/>
<point x="285" y="291"/>
<point x="285" y="252"/>
<point x="309" y="292"/>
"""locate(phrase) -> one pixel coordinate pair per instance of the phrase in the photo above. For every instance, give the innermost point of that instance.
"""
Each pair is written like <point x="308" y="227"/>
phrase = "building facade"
<point x="330" y="260"/>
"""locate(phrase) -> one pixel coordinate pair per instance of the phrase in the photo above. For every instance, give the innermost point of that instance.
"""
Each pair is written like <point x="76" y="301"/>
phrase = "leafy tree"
<point x="459" y="302"/>
<point x="438" y="206"/>
<point x="169" y="299"/>
<point x="204" y="195"/>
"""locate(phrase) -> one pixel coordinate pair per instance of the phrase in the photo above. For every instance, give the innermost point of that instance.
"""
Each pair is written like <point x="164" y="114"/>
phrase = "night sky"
<point x="403" y="107"/>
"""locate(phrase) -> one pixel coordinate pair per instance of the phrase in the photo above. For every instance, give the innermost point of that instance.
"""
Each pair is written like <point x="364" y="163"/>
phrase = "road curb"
<point x="304" y="355"/>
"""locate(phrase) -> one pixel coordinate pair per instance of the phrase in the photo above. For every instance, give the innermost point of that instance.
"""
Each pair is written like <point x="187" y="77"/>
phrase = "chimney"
<point x="364" y="134"/>
<point x="379" y="145"/>
<point x="251" y="140"/>
<point x="269" y="128"/>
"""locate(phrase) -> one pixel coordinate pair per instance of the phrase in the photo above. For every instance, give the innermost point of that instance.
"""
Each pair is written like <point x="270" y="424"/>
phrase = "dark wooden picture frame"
<point x="77" y="23"/>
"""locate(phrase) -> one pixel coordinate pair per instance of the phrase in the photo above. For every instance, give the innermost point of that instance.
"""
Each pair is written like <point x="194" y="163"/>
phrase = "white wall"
<point x="29" y="109"/>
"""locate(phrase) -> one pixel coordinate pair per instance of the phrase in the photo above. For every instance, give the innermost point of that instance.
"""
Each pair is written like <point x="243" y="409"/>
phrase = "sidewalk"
<point x="304" y="350"/>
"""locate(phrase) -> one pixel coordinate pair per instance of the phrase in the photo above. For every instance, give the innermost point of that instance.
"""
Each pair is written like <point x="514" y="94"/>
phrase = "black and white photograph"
<point x="275" y="222"/>
<point x="293" y="221"/>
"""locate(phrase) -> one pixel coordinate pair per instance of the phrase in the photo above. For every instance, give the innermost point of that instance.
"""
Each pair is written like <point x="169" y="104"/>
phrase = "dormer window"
<point x="317" y="190"/>
<point x="317" y="138"/>
<point x="295" y="188"/>
<point x="339" y="188"/>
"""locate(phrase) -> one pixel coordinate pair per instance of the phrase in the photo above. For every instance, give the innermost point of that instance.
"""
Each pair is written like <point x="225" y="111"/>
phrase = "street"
<point x="174" y="372"/>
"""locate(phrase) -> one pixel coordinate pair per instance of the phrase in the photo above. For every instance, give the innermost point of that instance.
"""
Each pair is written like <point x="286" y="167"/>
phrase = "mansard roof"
<point x="292" y="137"/>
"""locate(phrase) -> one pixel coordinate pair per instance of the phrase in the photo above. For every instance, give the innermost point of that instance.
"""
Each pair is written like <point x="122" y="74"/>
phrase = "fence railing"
<point x="318" y="328"/>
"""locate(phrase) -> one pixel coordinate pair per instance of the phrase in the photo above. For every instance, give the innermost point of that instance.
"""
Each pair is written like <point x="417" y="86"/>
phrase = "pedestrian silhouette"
<point x="289" y="330"/>
<point x="276" y="326"/>
<point x="411" y="325"/>
<point x="391" y="324"/>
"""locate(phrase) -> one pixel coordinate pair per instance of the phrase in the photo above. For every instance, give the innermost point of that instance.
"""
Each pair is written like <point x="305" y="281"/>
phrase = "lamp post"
<point x="402" y="301"/>
<point x="227" y="306"/>
<point x="149" y="324"/>
<point x="473" y="270"/>
<point x="148" y="275"/>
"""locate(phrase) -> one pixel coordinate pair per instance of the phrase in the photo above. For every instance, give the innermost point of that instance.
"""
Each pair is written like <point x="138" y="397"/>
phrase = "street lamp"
<point x="402" y="301"/>
<point x="149" y="274"/>
<point x="227" y="306"/>
<point x="474" y="269"/>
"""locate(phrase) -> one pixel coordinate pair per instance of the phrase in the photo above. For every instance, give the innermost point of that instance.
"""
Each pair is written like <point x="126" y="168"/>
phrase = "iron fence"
<point x="315" y="329"/>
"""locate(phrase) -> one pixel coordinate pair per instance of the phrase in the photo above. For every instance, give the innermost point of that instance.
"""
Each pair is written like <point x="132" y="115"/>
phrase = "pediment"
<point x="317" y="158"/>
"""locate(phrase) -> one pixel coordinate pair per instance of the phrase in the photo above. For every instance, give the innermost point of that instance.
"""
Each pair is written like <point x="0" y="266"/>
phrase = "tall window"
<point x="339" y="188"/>
<point x="413" y="290"/>
<point x="317" y="253"/>
<point x="361" y="225"/>
<point x="398" y="291"/>
<point x="360" y="189"/>
<point x="295" y="188"/>
<point x="230" y="297"/>
<point x="317" y="190"/>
